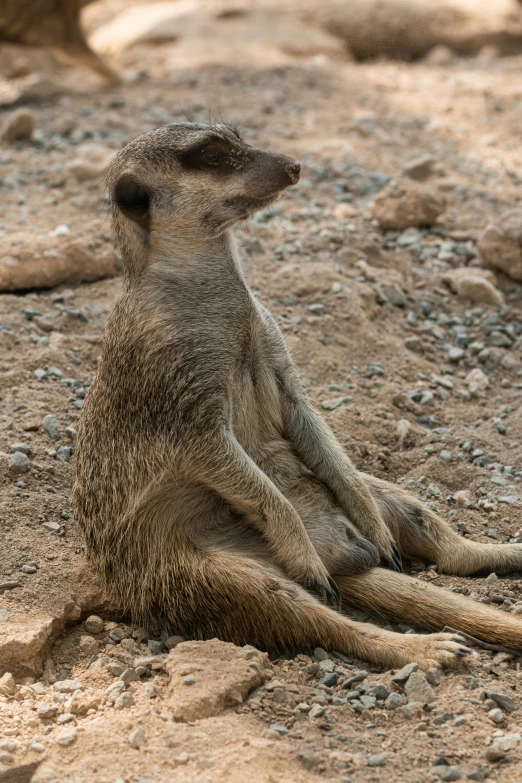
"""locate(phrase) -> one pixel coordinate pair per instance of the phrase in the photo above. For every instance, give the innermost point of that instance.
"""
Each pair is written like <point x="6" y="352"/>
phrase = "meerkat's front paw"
<point x="437" y="649"/>
<point x="315" y="578"/>
<point x="389" y="554"/>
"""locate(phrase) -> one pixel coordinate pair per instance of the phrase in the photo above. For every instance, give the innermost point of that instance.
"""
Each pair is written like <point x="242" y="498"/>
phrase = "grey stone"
<point x="496" y="715"/>
<point x="278" y="729"/>
<point x="446" y="773"/>
<point x="67" y="686"/>
<point x="64" y="453"/>
<point x="505" y="702"/>
<point x="137" y="738"/>
<point x="434" y="676"/>
<point x="18" y="463"/>
<point x="50" y="425"/>
<point x="22" y="447"/>
<point x="417" y="688"/>
<point x="380" y="692"/>
<point x="402" y="675"/>
<point x="94" y="624"/>
<point x="456" y="354"/>
<point x="123" y="701"/>
<point x="376" y="760"/>
<point x="394" y="701"/>
<point x="66" y="737"/>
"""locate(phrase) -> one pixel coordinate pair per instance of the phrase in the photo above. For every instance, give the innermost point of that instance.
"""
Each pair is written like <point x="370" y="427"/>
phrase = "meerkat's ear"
<point x="133" y="199"/>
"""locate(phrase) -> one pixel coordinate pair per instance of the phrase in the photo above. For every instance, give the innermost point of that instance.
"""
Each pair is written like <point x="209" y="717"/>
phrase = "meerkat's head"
<point x="189" y="183"/>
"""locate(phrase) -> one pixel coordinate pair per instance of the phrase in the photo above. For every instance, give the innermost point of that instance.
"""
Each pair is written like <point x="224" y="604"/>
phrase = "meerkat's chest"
<point x="256" y="414"/>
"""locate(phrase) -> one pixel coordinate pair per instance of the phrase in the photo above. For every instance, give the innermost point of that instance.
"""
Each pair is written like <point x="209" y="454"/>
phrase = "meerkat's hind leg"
<point x="403" y="598"/>
<point x="250" y="602"/>
<point x="420" y="533"/>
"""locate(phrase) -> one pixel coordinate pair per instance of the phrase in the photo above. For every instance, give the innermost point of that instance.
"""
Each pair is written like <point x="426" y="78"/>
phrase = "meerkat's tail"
<point x="420" y="533"/>
<point x="403" y="598"/>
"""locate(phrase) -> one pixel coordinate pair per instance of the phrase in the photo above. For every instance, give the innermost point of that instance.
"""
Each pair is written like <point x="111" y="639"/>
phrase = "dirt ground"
<point x="347" y="295"/>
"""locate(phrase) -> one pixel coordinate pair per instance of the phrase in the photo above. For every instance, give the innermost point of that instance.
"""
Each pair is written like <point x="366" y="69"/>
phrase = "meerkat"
<point x="213" y="498"/>
<point x="54" y="24"/>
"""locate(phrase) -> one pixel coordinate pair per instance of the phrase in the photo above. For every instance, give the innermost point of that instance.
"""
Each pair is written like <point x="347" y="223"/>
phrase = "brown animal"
<point x="213" y="498"/>
<point x="54" y="24"/>
<point x="21" y="774"/>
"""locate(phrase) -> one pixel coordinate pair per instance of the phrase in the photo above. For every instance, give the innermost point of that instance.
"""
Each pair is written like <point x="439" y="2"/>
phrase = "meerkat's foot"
<point x="437" y="649"/>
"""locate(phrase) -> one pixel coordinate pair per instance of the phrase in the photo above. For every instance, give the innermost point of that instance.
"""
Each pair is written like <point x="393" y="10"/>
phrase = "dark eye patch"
<point x="212" y="155"/>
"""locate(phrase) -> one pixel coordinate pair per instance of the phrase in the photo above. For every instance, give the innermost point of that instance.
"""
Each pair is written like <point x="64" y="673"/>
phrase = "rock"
<point x="412" y="710"/>
<point x="414" y="344"/>
<point x="455" y="354"/>
<point x="45" y="711"/>
<point x="496" y="715"/>
<point x="445" y="772"/>
<point x="137" y="739"/>
<point x="394" y="701"/>
<point x="500" y="242"/>
<point x="18" y="463"/>
<point x="404" y="204"/>
<point x="406" y="671"/>
<point x="91" y="161"/>
<point x="376" y="760"/>
<point x="501" y="746"/>
<point x="419" y="168"/>
<point x="50" y="425"/>
<point x="123" y="701"/>
<point x="19" y="126"/>
<point x="505" y="702"/>
<point x="317" y="711"/>
<point x="94" y="624"/>
<point x="417" y="688"/>
<point x="7" y="684"/>
<point x="82" y="702"/>
<point x="478" y="285"/>
<point x="88" y="645"/>
<point x="172" y="641"/>
<point x="476" y="380"/>
<point x="66" y="737"/>
<point x="129" y="675"/>
<point x="36" y="261"/>
<point x="22" y="447"/>
<point x="464" y="498"/>
<point x="67" y="686"/>
<point x="434" y="676"/>
<point x="331" y="405"/>
<point x="223" y="678"/>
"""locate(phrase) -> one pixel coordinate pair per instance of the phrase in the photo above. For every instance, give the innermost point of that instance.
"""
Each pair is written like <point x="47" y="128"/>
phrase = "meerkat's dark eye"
<point x="133" y="199"/>
<point x="211" y="156"/>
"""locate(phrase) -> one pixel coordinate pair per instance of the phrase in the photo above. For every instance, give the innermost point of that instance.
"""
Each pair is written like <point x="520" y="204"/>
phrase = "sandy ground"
<point x="354" y="127"/>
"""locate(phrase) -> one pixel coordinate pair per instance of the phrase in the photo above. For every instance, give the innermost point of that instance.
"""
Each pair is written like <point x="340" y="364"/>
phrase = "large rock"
<point x="19" y="126"/>
<point x="500" y="244"/>
<point x="403" y="204"/>
<point x="91" y="161"/>
<point x="31" y="261"/>
<point x="478" y="285"/>
<point x="221" y="676"/>
<point x="203" y="35"/>
<point x="409" y="29"/>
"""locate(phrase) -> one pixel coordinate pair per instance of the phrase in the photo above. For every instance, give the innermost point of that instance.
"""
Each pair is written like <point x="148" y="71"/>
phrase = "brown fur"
<point x="54" y="24"/>
<point x="213" y="497"/>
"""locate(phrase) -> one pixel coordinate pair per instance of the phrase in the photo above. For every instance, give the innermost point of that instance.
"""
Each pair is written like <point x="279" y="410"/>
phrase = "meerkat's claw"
<point x="331" y="594"/>
<point x="393" y="563"/>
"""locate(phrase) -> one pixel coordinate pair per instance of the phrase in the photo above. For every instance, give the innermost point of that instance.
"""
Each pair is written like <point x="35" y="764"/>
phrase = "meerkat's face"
<point x="191" y="182"/>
